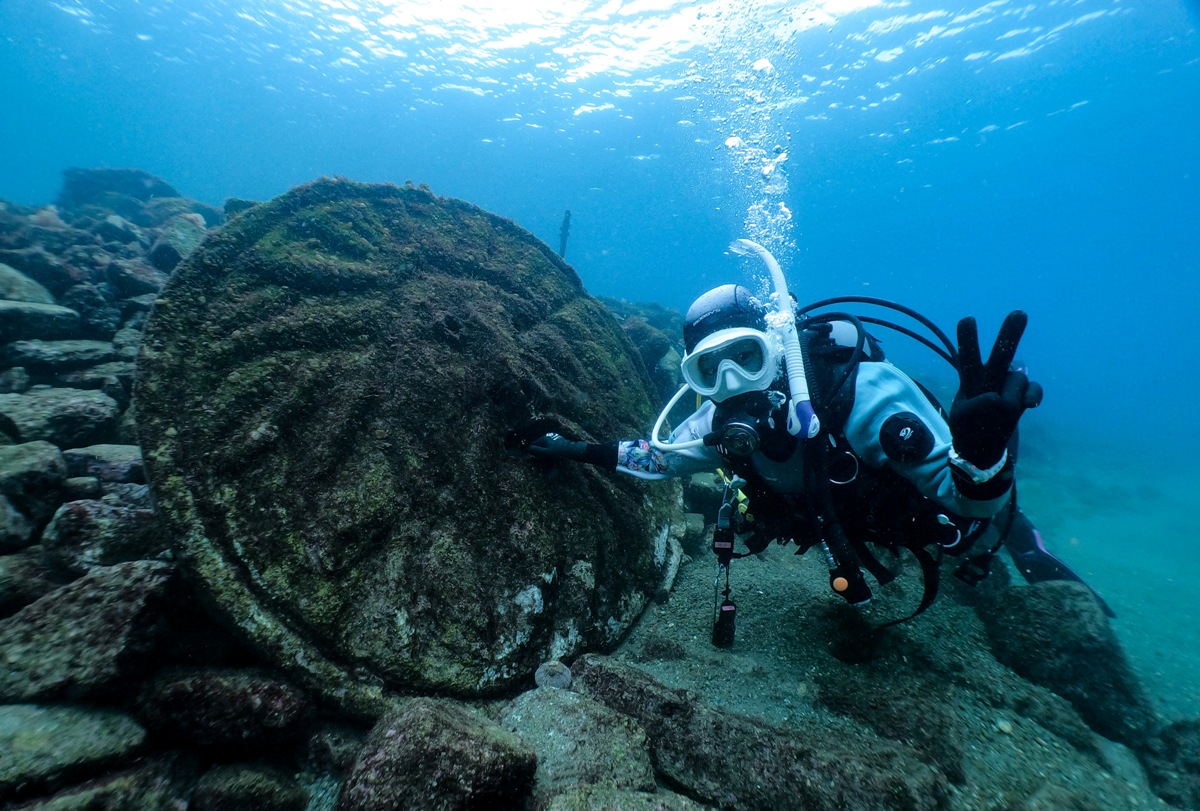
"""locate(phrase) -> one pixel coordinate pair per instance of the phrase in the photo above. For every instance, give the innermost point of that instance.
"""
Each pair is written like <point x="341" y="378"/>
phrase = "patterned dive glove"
<point x="990" y="401"/>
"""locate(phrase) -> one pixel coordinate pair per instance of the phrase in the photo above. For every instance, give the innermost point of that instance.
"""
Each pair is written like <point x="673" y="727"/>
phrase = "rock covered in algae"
<point x="323" y="394"/>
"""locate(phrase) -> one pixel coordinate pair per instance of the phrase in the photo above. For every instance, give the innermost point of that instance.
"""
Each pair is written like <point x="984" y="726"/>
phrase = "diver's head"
<point x="729" y="305"/>
<point x="728" y="351"/>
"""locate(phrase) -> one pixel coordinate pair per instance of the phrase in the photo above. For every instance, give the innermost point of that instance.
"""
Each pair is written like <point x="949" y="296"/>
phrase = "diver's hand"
<point x="991" y="397"/>
<point x="557" y="446"/>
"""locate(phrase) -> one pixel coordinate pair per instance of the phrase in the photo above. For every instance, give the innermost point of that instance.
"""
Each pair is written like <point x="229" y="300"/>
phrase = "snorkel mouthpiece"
<point x="802" y="420"/>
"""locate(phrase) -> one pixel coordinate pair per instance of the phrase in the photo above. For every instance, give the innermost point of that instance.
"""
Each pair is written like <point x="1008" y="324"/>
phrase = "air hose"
<point x="802" y="420"/>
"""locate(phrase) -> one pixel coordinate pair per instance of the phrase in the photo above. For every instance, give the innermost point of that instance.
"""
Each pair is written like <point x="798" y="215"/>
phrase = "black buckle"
<point x="974" y="570"/>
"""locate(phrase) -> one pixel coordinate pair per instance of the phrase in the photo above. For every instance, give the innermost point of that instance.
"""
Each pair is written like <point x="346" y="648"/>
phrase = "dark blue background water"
<point x="1055" y="169"/>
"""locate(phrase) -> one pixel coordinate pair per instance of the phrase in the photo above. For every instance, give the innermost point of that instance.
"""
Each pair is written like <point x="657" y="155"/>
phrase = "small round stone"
<point x="553" y="674"/>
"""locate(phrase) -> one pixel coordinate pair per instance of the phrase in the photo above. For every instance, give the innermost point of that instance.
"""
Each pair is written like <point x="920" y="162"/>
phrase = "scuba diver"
<point x="823" y="442"/>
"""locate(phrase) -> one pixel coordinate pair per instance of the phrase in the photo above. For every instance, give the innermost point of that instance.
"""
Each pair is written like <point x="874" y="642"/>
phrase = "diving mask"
<point x="731" y="362"/>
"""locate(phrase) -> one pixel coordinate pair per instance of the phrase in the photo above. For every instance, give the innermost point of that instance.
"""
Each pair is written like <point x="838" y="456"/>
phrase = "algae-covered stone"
<point x="28" y="319"/>
<point x="232" y="710"/>
<point x="66" y="417"/>
<point x="87" y="638"/>
<point x="733" y="761"/>
<point x="607" y="798"/>
<point x="323" y="394"/>
<point x="99" y="187"/>
<point x="55" y="356"/>
<point x="16" y="286"/>
<point x="110" y="463"/>
<point x="1055" y="634"/>
<point x="178" y="238"/>
<point x="579" y="742"/>
<point x="88" y="533"/>
<point x="238" y="787"/>
<point x="16" y="530"/>
<point x="156" y="784"/>
<point x="133" y="277"/>
<point x="23" y="579"/>
<point x="40" y="746"/>
<point x="434" y="754"/>
<point x="31" y="478"/>
<point x="1172" y="761"/>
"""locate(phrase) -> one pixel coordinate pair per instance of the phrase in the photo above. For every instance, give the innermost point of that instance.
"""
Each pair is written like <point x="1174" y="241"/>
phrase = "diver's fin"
<point x="1035" y="562"/>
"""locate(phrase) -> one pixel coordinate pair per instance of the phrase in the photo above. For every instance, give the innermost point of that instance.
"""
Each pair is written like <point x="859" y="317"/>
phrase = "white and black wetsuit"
<point x="892" y="425"/>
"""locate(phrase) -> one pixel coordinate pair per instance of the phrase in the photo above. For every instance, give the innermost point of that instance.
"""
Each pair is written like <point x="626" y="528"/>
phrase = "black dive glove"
<point x="557" y="446"/>
<point x="990" y="401"/>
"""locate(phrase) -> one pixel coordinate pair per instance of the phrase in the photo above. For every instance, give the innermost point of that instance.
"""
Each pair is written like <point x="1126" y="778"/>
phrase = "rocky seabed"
<point x="118" y="692"/>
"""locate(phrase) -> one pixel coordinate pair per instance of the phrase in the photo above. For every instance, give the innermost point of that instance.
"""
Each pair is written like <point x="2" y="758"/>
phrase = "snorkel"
<point x="802" y="420"/>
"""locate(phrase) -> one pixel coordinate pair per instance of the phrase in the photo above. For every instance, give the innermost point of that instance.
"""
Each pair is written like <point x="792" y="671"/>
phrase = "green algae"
<point x="322" y="394"/>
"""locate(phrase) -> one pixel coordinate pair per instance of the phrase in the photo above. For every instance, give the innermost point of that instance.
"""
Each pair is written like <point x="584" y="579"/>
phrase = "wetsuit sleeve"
<point x="637" y="457"/>
<point x="893" y="424"/>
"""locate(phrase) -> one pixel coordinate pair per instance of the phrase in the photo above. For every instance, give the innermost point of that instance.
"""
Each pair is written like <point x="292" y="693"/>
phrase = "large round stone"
<point x="323" y="394"/>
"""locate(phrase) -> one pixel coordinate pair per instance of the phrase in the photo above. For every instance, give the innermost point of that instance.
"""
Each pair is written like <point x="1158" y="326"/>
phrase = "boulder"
<point x="88" y="533"/>
<point x="16" y="286"/>
<point x="77" y="488"/>
<point x="579" y="742"/>
<point x="733" y="761"/>
<point x="107" y="188"/>
<point x="134" y="277"/>
<point x="110" y="463"/>
<point x="1172" y="761"/>
<point x="607" y="798"/>
<point x="46" y="746"/>
<point x="236" y="205"/>
<point x="114" y="379"/>
<point x="332" y="748"/>
<point x="154" y="784"/>
<point x="23" y="579"/>
<point x="99" y="313"/>
<point x="1055" y="634"/>
<point x="28" y="319"/>
<point x="115" y="228"/>
<point x="232" y="710"/>
<point x="14" y="381"/>
<point x="900" y="710"/>
<point x="31" y="478"/>
<point x="87" y="637"/>
<point x="16" y="530"/>
<point x="127" y="432"/>
<point x="322" y="396"/>
<point x="57" y="356"/>
<point x="67" y="418"/>
<point x="45" y="268"/>
<point x="436" y="755"/>
<point x="160" y="210"/>
<point x="178" y="238"/>
<point x="138" y="305"/>
<point x="127" y="341"/>
<point x="239" y="787"/>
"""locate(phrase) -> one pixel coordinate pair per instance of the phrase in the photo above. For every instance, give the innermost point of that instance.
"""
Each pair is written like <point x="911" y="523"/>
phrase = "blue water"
<point x="961" y="159"/>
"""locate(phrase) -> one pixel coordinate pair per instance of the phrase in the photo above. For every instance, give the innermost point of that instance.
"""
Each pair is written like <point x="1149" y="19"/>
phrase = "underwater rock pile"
<point x="343" y="585"/>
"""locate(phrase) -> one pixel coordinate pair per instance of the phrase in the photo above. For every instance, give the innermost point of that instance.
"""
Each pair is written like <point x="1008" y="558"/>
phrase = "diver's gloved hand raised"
<point x="991" y="397"/>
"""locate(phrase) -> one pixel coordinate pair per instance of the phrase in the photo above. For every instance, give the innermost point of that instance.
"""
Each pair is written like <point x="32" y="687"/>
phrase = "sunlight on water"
<point x="732" y="65"/>
<point x="498" y="47"/>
